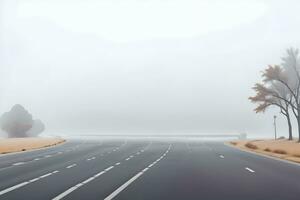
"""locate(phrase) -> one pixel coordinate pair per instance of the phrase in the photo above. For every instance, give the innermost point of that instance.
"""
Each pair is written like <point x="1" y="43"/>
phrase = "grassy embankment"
<point x="24" y="144"/>
<point x="282" y="148"/>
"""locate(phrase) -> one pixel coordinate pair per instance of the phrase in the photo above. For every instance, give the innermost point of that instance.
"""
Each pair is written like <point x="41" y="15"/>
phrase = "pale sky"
<point x="154" y="66"/>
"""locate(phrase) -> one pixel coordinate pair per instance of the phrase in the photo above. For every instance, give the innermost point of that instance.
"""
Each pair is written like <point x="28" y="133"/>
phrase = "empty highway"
<point x="146" y="169"/>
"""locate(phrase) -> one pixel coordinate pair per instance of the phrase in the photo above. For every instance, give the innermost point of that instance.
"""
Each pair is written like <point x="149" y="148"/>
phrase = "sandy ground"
<point x="284" y="149"/>
<point x="24" y="144"/>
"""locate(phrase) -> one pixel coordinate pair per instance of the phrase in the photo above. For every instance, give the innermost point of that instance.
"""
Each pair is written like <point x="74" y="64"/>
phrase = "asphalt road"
<point x="146" y="169"/>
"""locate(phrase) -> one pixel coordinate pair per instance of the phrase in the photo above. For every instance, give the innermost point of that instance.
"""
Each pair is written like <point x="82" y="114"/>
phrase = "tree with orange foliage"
<point x="273" y="95"/>
<point x="287" y="76"/>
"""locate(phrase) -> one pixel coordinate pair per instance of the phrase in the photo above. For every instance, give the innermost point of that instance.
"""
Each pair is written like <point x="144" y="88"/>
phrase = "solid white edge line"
<point x="62" y="195"/>
<point x="150" y="165"/>
<point x="33" y="180"/>
<point x="122" y="187"/>
<point x="146" y="169"/>
<point x="88" y="180"/>
<point x="70" y="190"/>
<point x="44" y="176"/>
<point x="109" y="168"/>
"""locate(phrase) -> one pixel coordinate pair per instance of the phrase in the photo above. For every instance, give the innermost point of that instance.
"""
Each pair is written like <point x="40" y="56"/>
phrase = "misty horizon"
<point x="187" y="73"/>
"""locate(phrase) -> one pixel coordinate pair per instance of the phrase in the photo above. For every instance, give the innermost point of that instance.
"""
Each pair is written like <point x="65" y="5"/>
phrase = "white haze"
<point x="159" y="66"/>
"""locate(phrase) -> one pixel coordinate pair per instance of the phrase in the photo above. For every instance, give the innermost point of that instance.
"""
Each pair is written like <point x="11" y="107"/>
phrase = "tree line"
<point x="280" y="87"/>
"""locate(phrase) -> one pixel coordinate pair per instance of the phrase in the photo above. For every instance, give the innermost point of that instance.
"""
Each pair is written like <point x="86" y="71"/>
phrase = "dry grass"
<point x="233" y="143"/>
<point x="23" y="144"/>
<point x="281" y="148"/>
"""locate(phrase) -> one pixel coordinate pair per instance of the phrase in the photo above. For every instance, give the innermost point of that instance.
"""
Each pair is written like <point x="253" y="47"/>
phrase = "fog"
<point x="143" y="66"/>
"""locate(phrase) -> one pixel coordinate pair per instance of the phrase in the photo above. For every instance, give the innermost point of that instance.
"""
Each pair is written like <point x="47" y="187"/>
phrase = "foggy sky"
<point x="143" y="66"/>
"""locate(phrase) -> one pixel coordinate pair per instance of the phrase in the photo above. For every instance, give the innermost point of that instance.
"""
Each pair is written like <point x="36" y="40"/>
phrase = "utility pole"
<point x="275" y="127"/>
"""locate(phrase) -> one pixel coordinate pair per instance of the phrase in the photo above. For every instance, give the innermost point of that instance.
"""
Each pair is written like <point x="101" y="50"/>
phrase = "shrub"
<point x="251" y="146"/>
<point x="267" y="149"/>
<point x="279" y="151"/>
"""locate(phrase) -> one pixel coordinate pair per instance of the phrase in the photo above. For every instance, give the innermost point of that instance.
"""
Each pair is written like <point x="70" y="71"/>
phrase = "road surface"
<point x="146" y="169"/>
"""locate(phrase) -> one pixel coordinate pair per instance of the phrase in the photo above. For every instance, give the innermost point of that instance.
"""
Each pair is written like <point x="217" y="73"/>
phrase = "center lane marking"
<point x="67" y="192"/>
<point x="120" y="189"/>
<point x="125" y="185"/>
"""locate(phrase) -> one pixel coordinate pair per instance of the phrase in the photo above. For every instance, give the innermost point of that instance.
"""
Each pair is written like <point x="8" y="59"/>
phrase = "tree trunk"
<point x="290" y="127"/>
<point x="298" y="121"/>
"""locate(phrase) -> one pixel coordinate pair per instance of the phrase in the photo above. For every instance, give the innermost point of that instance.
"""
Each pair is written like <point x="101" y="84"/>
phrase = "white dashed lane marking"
<point x="70" y="190"/>
<point x="93" y="158"/>
<point x="250" y="170"/>
<point x="125" y="185"/>
<point x="120" y="189"/>
<point x="19" y="163"/>
<point x="71" y="166"/>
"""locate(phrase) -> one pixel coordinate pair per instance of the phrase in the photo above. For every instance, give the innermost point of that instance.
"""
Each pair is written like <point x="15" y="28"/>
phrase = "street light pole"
<point x="275" y="127"/>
